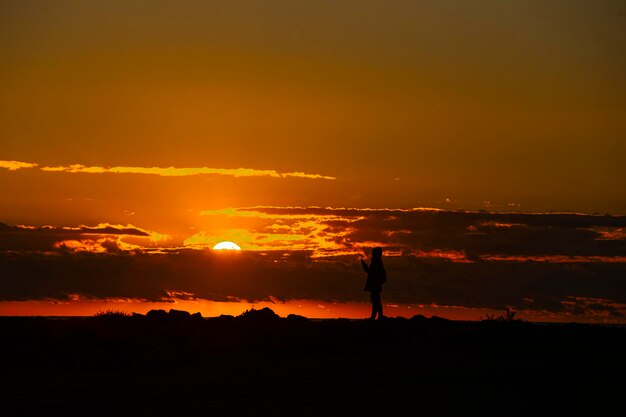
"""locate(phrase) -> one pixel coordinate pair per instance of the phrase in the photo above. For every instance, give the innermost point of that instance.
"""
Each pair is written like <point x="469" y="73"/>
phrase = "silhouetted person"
<point x="376" y="277"/>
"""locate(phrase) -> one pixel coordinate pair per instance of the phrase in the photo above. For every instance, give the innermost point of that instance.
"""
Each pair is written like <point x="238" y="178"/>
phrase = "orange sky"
<point x="176" y="118"/>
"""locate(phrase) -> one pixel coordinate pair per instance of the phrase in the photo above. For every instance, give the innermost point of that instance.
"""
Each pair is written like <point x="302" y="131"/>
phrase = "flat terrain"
<point x="259" y="364"/>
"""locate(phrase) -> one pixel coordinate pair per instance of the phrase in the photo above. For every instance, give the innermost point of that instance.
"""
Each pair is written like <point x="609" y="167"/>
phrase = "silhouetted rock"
<point x="138" y="316"/>
<point x="157" y="314"/>
<point x="263" y="315"/>
<point x="179" y="314"/>
<point x="297" y="318"/>
<point x="419" y="318"/>
<point x="196" y="315"/>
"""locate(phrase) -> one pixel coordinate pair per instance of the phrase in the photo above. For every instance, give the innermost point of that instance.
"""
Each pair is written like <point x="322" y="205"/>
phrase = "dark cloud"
<point x="103" y="229"/>
<point x="429" y="218"/>
<point x="594" y="307"/>
<point x="44" y="238"/>
<point x="478" y="233"/>
<point x="283" y="275"/>
<point x="565" y="263"/>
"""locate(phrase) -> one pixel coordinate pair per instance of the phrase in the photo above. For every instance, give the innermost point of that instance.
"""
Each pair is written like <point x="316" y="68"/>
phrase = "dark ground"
<point x="258" y="364"/>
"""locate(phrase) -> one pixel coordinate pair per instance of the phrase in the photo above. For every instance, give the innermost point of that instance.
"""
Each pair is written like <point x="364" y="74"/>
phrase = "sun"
<point x="226" y="246"/>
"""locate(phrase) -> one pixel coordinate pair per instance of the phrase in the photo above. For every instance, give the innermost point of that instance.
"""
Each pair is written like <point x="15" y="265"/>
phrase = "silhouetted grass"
<point x="111" y="313"/>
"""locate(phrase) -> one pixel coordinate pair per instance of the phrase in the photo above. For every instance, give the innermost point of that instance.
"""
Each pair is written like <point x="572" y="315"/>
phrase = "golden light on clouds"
<point x="15" y="165"/>
<point x="322" y="231"/>
<point x="175" y="172"/>
<point x="99" y="245"/>
<point x="205" y="240"/>
<point x="164" y="172"/>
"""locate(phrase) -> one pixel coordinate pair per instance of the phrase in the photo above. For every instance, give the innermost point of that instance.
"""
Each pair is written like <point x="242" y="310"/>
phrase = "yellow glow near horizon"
<point x="226" y="245"/>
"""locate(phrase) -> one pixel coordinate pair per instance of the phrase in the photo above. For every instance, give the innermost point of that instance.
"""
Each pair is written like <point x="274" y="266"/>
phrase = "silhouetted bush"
<point x="508" y="316"/>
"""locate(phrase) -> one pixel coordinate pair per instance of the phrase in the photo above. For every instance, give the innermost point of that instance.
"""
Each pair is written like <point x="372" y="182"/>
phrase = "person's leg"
<point x="373" y="299"/>
<point x="377" y="306"/>
<point x="380" y="307"/>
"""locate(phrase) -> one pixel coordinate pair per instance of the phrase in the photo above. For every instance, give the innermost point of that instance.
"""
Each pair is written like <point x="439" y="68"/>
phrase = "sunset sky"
<point x="482" y="144"/>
